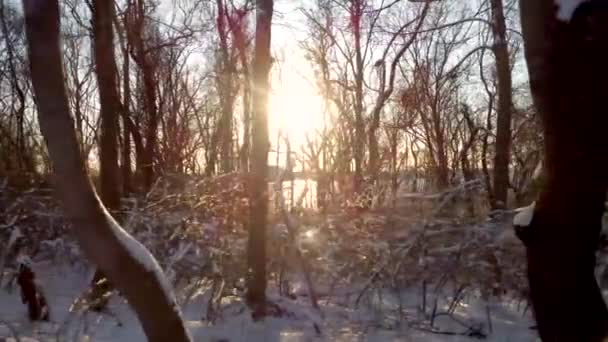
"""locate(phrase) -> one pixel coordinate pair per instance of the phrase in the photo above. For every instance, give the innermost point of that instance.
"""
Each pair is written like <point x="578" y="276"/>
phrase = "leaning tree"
<point x="127" y="263"/>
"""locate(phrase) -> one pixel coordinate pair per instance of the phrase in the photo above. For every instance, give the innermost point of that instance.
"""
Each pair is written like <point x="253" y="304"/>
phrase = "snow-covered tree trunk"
<point x="567" y="56"/>
<point x="127" y="263"/>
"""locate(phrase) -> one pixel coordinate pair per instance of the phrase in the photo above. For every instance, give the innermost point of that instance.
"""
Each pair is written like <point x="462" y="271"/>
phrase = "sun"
<point x="295" y="110"/>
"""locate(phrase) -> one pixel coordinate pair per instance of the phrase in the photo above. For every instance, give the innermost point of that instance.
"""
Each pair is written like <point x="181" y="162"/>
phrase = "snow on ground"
<point x="63" y="284"/>
<point x="141" y="254"/>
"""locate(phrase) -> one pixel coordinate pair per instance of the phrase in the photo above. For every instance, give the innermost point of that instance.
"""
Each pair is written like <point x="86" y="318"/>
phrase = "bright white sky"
<point x="295" y="106"/>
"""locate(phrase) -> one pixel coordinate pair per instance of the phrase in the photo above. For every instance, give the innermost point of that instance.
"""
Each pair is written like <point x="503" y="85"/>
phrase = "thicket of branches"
<point x="410" y="88"/>
<point x="418" y="96"/>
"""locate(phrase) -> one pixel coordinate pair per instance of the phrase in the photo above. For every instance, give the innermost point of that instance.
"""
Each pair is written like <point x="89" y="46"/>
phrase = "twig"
<point x="12" y="329"/>
<point x="434" y="312"/>
<point x="473" y="331"/>
<point x="489" y="318"/>
<point x="468" y="333"/>
<point x="303" y="264"/>
<point x="404" y="249"/>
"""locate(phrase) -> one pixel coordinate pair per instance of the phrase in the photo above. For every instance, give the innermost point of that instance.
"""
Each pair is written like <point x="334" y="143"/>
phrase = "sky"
<point x="295" y="105"/>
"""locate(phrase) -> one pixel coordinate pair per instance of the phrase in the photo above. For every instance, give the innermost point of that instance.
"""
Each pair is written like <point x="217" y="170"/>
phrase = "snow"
<point x="566" y="8"/>
<point x="142" y="255"/>
<point x="63" y="284"/>
<point x="524" y="215"/>
<point x="15" y="234"/>
<point x="24" y="260"/>
<point x="390" y="307"/>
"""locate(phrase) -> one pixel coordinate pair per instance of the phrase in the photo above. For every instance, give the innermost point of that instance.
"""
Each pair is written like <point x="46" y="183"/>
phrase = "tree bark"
<point x="127" y="187"/>
<point x="141" y="55"/>
<point x="568" y="77"/>
<point x="100" y="237"/>
<point x="359" y="147"/>
<point x="387" y="88"/>
<point x="245" y="148"/>
<point x="151" y="134"/>
<point x="256" y="286"/>
<point x="105" y="68"/>
<point x="503" y="117"/>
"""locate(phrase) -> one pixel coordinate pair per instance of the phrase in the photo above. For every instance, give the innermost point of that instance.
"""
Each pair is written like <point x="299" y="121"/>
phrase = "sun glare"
<point x="296" y="110"/>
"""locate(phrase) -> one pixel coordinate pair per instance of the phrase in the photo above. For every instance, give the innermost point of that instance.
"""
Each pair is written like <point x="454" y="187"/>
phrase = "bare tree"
<point x="105" y="69"/>
<point x="505" y="104"/>
<point x="137" y="32"/>
<point x="227" y="86"/>
<point x="24" y="159"/>
<point x="566" y="59"/>
<point x="262" y="62"/>
<point x="387" y="86"/>
<point x="127" y="263"/>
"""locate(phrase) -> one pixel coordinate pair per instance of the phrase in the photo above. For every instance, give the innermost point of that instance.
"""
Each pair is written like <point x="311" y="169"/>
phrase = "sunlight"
<point x="310" y="234"/>
<point x="296" y="110"/>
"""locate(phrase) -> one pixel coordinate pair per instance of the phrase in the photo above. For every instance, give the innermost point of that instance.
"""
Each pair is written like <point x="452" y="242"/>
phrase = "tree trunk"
<point x="568" y="77"/>
<point x="256" y="286"/>
<point x="226" y="92"/>
<point x="127" y="263"/>
<point x="503" y="118"/>
<point x="222" y="136"/>
<point x="105" y="68"/>
<point x="127" y="187"/>
<point x="152" y="127"/>
<point x="147" y="67"/>
<point x="245" y="148"/>
<point x="356" y="16"/>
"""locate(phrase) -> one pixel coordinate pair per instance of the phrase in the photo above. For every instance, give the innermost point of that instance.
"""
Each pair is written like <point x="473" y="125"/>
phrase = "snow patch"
<point x="65" y="283"/>
<point x="566" y="8"/>
<point x="24" y="260"/>
<point x="524" y="215"/>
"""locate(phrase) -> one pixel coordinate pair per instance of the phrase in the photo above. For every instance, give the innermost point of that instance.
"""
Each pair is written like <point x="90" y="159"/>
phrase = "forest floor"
<point x="64" y="283"/>
<point x="399" y="272"/>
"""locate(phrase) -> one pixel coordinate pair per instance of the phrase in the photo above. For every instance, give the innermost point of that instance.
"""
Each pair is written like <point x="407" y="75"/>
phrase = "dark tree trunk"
<point x="245" y="148"/>
<point x="245" y="151"/>
<point x="222" y="141"/>
<point x="227" y="68"/>
<point x="127" y="187"/>
<point x="141" y="55"/>
<point x="150" y="147"/>
<point x="127" y="263"/>
<point x="256" y="286"/>
<point x="31" y="295"/>
<point x="568" y="69"/>
<point x="105" y="68"/>
<point x="356" y="13"/>
<point x="503" y="118"/>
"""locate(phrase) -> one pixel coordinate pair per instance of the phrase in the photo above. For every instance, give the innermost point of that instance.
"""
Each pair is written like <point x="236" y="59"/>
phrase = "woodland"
<point x="303" y="170"/>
